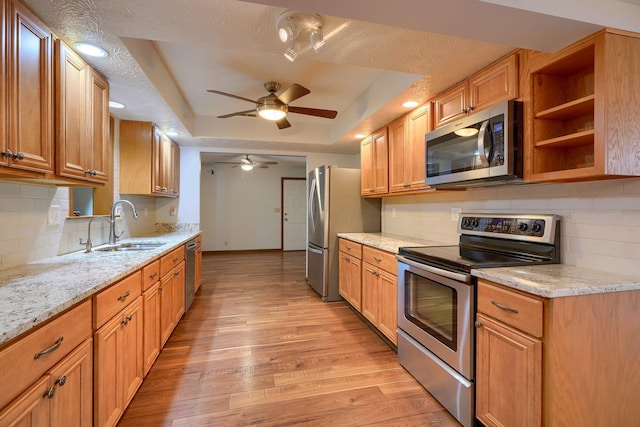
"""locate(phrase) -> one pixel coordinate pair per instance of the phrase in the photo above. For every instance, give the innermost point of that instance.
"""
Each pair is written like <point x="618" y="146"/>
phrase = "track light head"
<point x="290" y="24"/>
<point x="317" y="39"/>
<point x="290" y="53"/>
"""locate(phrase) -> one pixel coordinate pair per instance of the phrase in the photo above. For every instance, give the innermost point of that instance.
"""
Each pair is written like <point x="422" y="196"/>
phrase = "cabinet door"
<point x="151" y="324"/>
<point x="380" y="162"/>
<point x="350" y="280"/>
<point x="4" y="99"/>
<point x="31" y="409"/>
<point x="419" y="122"/>
<point x="30" y="90"/>
<point x="496" y="83"/>
<point x="451" y="105"/>
<point x="174" y="170"/>
<point x="98" y="154"/>
<point x="388" y="305"/>
<point x="508" y="376"/>
<point x="158" y="184"/>
<point x="107" y="373"/>
<point x="71" y="120"/>
<point x="399" y="158"/>
<point x="366" y="167"/>
<point x="370" y="292"/>
<point x="72" y="405"/>
<point x="344" y="276"/>
<point x="131" y="351"/>
<point x="178" y="298"/>
<point x="167" y="319"/>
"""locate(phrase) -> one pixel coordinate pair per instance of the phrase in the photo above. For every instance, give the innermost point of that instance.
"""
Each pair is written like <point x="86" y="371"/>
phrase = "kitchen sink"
<point x="136" y="246"/>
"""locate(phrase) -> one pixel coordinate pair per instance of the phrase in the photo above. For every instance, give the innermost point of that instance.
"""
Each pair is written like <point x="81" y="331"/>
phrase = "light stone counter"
<point x="387" y="242"/>
<point x="558" y="280"/>
<point x="33" y="293"/>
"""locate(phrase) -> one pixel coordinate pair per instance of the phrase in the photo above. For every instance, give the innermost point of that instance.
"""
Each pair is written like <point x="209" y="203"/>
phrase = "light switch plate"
<point x="455" y="214"/>
<point x="53" y="215"/>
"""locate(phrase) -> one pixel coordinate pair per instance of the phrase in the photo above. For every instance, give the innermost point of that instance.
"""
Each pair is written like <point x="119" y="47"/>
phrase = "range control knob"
<point x="466" y="222"/>
<point x="523" y="226"/>
<point x="474" y="222"/>
<point x="536" y="227"/>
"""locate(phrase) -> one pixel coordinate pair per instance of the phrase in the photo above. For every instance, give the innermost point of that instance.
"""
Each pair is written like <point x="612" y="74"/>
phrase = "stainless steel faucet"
<point x="113" y="236"/>
<point x="88" y="244"/>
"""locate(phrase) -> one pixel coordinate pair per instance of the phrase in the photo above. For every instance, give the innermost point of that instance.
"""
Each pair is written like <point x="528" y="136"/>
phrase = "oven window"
<point x="432" y="307"/>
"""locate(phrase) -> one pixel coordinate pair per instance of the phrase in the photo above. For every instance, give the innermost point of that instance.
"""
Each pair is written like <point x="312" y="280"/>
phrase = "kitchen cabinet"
<point x="496" y="83"/>
<point x="26" y="143"/>
<point x="350" y="273"/>
<point x="62" y="397"/>
<point x="82" y="119"/>
<point x="374" y="167"/>
<point x="536" y="358"/>
<point x="407" y="160"/>
<point x="581" y="110"/>
<point x="172" y="289"/>
<point x="151" y="309"/>
<point x="149" y="161"/>
<point x="379" y="291"/>
<point x="118" y="370"/>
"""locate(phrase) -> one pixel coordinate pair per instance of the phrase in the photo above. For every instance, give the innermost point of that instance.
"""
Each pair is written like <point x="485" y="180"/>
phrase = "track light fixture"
<point x="291" y="24"/>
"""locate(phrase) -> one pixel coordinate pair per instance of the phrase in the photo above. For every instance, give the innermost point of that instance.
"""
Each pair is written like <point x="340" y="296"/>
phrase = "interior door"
<point x="294" y="214"/>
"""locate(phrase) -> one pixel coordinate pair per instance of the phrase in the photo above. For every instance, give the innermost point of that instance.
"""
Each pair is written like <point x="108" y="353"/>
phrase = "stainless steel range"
<point x="437" y="298"/>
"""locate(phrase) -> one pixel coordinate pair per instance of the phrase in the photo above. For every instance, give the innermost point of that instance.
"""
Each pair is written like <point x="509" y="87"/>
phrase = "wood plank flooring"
<point x="259" y="348"/>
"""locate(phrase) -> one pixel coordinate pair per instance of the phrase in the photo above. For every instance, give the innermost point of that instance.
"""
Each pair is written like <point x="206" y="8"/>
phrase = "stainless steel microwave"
<point x="484" y="148"/>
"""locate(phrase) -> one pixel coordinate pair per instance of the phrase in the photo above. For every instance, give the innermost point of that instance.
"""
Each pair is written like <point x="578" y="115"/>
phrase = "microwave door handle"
<point x="482" y="134"/>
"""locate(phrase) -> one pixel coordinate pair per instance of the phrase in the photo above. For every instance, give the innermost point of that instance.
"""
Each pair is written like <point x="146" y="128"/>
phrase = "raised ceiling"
<point x="165" y="54"/>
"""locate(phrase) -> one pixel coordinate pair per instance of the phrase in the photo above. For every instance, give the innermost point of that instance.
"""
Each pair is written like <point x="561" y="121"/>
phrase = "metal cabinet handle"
<point x="176" y="273"/>
<point x="54" y="347"/>
<point x="124" y="296"/>
<point x="153" y="275"/>
<point x="61" y="381"/>
<point x="348" y="248"/>
<point x="126" y="320"/>
<point x="504" y="307"/>
<point x="371" y="190"/>
<point x="7" y="153"/>
<point x="49" y="393"/>
<point x="175" y="259"/>
<point x="377" y="259"/>
<point x="19" y="155"/>
<point x="161" y="288"/>
<point x="406" y="185"/>
<point x="478" y="324"/>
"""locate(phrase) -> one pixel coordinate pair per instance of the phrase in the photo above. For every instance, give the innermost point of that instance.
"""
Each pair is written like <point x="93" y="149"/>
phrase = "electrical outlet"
<point x="53" y="217"/>
<point x="173" y="211"/>
<point x="455" y="214"/>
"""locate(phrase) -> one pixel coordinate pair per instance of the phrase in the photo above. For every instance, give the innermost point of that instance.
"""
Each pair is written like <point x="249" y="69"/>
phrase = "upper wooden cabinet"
<point x="374" y="166"/>
<point x="82" y="119"/>
<point x="26" y="143"/>
<point x="584" y="110"/>
<point x="496" y="83"/>
<point x="407" y="164"/>
<point x="149" y="162"/>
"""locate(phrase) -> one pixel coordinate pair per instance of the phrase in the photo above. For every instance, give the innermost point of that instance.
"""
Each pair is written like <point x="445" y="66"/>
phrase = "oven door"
<point x="436" y="308"/>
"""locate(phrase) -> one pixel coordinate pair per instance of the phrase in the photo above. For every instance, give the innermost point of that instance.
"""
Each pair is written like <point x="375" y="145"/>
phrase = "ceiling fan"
<point x="275" y="108"/>
<point x="247" y="164"/>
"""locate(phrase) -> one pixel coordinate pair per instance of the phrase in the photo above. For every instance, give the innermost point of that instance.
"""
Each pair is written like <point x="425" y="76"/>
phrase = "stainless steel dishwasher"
<point x="190" y="273"/>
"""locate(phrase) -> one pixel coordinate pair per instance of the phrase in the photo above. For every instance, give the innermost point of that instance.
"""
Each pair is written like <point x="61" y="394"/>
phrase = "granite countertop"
<point x="35" y="292"/>
<point x="387" y="242"/>
<point x="558" y="280"/>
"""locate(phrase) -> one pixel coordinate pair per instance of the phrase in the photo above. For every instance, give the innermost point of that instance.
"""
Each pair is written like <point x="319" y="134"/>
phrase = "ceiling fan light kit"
<point x="290" y="24"/>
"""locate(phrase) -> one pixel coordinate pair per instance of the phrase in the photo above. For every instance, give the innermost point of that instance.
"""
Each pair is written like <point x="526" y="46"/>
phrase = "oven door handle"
<point x="460" y="277"/>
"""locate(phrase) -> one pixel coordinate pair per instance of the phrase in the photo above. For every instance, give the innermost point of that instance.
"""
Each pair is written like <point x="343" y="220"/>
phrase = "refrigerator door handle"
<point x="316" y="251"/>
<point x="312" y="191"/>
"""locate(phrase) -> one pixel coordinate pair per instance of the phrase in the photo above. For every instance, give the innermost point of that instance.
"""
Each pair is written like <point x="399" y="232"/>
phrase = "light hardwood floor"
<point x="259" y="348"/>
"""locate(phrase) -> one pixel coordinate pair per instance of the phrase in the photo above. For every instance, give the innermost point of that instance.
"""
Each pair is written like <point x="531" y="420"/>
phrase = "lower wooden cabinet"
<point x="151" y="307"/>
<point x="63" y="397"/>
<point x="350" y="280"/>
<point x="119" y="370"/>
<point x="171" y="301"/>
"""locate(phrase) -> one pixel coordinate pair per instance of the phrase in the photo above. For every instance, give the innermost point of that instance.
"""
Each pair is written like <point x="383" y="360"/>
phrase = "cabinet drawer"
<point x="170" y="260"/>
<point x="150" y="274"/>
<point x="113" y="299"/>
<point x="352" y="248"/>
<point x="19" y="366"/>
<point x="384" y="260"/>
<point x="514" y="309"/>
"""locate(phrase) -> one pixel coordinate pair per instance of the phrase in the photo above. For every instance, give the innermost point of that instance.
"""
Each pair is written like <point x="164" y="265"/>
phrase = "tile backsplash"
<point x="600" y="226"/>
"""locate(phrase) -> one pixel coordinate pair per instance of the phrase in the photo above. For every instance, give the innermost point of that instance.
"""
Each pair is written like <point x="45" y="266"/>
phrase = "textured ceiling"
<point x="164" y="54"/>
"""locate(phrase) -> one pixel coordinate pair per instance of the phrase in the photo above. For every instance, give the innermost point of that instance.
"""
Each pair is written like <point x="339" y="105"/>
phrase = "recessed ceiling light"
<point x="171" y="133"/>
<point x="360" y="135"/>
<point x="410" y="104"/>
<point x="114" y="104"/>
<point x="91" y="50"/>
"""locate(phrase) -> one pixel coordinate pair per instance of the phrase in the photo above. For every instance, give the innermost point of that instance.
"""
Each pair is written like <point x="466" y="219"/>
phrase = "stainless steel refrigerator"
<point x="334" y="206"/>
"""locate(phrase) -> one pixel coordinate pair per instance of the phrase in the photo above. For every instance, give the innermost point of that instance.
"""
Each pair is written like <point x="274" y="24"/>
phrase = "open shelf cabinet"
<point x="585" y="110"/>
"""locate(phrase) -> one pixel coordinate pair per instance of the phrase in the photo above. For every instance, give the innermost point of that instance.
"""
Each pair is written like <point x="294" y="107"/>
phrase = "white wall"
<point x="600" y="220"/>
<point x="241" y="210"/>
<point x="342" y="160"/>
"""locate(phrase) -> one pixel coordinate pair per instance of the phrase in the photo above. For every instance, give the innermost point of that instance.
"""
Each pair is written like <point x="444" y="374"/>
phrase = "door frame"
<point x="282" y="180"/>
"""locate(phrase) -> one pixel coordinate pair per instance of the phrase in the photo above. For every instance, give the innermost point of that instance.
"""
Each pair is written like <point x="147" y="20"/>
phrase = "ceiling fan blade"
<point x="283" y="123"/>
<point x="293" y="92"/>
<point x="246" y="113"/>
<point x="327" y="114"/>
<point x="227" y="163"/>
<point x="231" y="95"/>
<point x="265" y="163"/>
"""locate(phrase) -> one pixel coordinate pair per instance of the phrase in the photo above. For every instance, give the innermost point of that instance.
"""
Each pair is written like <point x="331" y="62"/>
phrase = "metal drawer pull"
<point x="62" y="380"/>
<point x="126" y="320"/>
<point x="504" y="307"/>
<point x="124" y="296"/>
<point x="377" y="259"/>
<point x="54" y="347"/>
<point x="49" y="393"/>
<point x="153" y="275"/>
<point x="478" y="324"/>
<point x="176" y="273"/>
